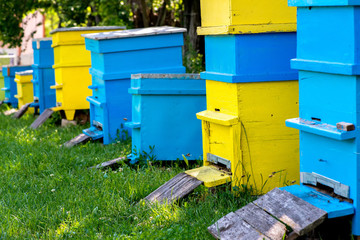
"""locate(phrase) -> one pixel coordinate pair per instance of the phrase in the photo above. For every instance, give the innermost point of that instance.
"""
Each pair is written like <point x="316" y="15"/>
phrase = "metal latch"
<point x="314" y="179"/>
<point x="97" y="124"/>
<point x="216" y="159"/>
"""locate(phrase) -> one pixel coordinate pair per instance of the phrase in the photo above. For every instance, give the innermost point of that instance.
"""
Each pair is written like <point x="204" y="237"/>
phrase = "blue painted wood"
<point x="114" y="57"/>
<point x="250" y="57"/>
<point x="334" y="207"/>
<point x="329" y="85"/>
<point x="321" y="129"/>
<point x="43" y="74"/>
<point x="329" y="39"/>
<point x="308" y="3"/>
<point x="10" y="87"/>
<point x="164" y="111"/>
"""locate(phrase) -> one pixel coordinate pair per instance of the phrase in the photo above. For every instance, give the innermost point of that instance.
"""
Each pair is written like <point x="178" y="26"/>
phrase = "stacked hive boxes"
<point x="72" y="63"/>
<point x="117" y="55"/>
<point x="329" y="84"/>
<point x="9" y="83"/>
<point x="43" y="74"/>
<point x="25" y="90"/>
<point x="250" y="90"/>
<point x="163" y="115"/>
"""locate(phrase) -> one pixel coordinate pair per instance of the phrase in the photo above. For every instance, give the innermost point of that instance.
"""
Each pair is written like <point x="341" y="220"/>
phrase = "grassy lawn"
<point x="46" y="191"/>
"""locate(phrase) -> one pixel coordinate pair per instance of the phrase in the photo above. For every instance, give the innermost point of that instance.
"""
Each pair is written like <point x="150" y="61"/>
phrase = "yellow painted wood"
<point x="264" y="153"/>
<point x="71" y="63"/>
<point x="246" y="16"/>
<point x="210" y="175"/>
<point x="25" y="91"/>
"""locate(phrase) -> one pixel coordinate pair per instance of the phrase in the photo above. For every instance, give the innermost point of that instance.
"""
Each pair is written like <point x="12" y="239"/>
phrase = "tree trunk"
<point x="145" y="13"/>
<point x="192" y="20"/>
<point x="162" y="14"/>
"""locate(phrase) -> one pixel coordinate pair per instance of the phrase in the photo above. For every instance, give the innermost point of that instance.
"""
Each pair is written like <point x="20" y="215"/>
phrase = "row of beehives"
<point x="251" y="90"/>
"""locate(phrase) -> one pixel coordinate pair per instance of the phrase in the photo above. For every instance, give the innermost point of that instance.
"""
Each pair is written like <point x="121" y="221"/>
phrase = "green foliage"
<point x="193" y="60"/>
<point x="115" y="13"/>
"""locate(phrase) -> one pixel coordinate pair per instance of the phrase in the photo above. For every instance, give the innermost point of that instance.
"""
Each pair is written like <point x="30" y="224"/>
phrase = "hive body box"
<point x="339" y="51"/>
<point x="71" y="64"/>
<point x="244" y="125"/>
<point x="43" y="74"/>
<point x="10" y="87"/>
<point x="329" y="85"/>
<point x="25" y="90"/>
<point x="250" y="57"/>
<point x="246" y="16"/>
<point x="164" y="108"/>
<point x="117" y="55"/>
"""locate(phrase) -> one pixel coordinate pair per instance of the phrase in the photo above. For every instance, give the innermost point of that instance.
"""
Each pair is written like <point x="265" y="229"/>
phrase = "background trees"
<point x="130" y="13"/>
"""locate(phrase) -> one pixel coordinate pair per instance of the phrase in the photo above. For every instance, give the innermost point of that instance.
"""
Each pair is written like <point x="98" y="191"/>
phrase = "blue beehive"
<point x="164" y="111"/>
<point x="114" y="57"/>
<point x="250" y="57"/>
<point x="10" y="87"/>
<point x="329" y="86"/>
<point x="337" y="20"/>
<point x="43" y="74"/>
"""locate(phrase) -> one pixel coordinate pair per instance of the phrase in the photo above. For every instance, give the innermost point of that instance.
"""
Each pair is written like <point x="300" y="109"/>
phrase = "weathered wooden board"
<point x="10" y="111"/>
<point x="81" y="138"/>
<point x="300" y="215"/>
<point x="42" y="118"/>
<point x="21" y="111"/>
<point x="232" y="227"/>
<point x="109" y="163"/>
<point x="176" y="188"/>
<point x="262" y="221"/>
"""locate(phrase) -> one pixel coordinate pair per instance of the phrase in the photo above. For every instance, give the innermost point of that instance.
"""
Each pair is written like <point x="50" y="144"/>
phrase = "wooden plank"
<point x="21" y="111"/>
<point x="109" y="163"/>
<point x="262" y="221"/>
<point x="300" y="215"/>
<point x="42" y="118"/>
<point x="10" y="111"/>
<point x="81" y="138"/>
<point x="232" y="227"/>
<point x="176" y="188"/>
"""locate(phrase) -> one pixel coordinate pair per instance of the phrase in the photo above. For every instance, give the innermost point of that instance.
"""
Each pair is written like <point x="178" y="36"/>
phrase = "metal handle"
<point x="93" y="87"/>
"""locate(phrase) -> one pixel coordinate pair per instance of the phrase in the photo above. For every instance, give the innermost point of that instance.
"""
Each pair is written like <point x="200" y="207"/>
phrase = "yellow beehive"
<point x="246" y="16"/>
<point x="25" y="90"/>
<point x="245" y="124"/>
<point x="71" y="63"/>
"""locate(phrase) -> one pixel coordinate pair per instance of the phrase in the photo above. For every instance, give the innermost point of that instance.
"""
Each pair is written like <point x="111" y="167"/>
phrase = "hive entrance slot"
<point x="219" y="161"/>
<point x="329" y="191"/>
<point x="316" y="119"/>
<point x="217" y="109"/>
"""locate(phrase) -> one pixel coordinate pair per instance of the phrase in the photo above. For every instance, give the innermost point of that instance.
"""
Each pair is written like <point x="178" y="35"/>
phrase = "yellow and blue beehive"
<point x="71" y="63"/>
<point x="250" y="90"/>
<point x="246" y="16"/>
<point x="25" y="90"/>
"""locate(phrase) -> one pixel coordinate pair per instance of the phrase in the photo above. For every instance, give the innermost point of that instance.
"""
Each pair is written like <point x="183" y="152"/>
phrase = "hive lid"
<point x="307" y="3"/>
<point x="42" y="39"/>
<point x="139" y="32"/>
<point x="23" y="73"/>
<point x="73" y="29"/>
<point x="165" y="75"/>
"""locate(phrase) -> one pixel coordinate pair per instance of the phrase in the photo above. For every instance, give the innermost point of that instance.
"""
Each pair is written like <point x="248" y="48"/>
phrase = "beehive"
<point x="164" y="108"/>
<point x="43" y="74"/>
<point x="71" y="64"/>
<point x="10" y="87"/>
<point x="329" y="98"/>
<point x="117" y="55"/>
<point x="25" y="90"/>
<point x="244" y="126"/>
<point x="246" y="16"/>
<point x="250" y="57"/>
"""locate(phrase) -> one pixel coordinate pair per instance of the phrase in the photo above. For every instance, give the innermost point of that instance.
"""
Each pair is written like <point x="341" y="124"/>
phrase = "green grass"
<point x="46" y="191"/>
<point x="2" y="93"/>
